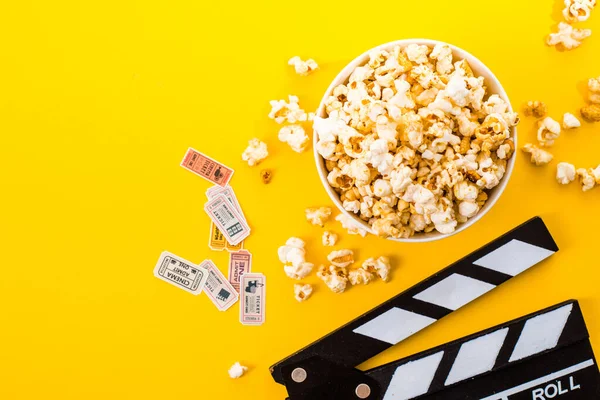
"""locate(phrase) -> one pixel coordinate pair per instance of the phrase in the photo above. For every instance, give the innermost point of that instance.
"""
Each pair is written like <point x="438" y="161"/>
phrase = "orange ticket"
<point x="206" y="167"/>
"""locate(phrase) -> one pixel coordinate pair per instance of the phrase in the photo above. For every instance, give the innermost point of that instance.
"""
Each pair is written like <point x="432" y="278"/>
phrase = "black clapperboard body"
<point x="545" y="355"/>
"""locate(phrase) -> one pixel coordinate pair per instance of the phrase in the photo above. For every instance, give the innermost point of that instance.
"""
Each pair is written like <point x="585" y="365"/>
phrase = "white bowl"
<point x="493" y="87"/>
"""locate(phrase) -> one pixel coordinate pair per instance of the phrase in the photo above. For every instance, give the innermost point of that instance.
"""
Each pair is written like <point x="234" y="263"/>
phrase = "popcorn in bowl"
<point x="408" y="129"/>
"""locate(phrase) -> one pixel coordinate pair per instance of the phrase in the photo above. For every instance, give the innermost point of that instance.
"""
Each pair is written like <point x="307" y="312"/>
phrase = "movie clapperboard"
<point x="545" y="355"/>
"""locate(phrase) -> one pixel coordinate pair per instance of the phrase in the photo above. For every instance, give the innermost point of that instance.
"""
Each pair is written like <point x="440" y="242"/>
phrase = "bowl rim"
<point x="482" y="69"/>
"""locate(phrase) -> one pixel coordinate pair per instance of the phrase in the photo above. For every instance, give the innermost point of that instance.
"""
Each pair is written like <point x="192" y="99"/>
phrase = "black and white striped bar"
<point x="540" y="356"/>
<point x="429" y="300"/>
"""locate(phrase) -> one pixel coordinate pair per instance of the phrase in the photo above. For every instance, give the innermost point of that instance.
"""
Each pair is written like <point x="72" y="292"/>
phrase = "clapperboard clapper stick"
<point x="326" y="368"/>
<point x="541" y="356"/>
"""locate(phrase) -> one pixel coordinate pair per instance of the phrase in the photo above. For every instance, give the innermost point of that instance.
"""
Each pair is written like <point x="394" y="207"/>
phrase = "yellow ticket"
<point x="217" y="241"/>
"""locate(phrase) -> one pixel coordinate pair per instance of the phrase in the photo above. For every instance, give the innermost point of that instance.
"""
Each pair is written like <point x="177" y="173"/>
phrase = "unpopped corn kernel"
<point x="266" y="175"/>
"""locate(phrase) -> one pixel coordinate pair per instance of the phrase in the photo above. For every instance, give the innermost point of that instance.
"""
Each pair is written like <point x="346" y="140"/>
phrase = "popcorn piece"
<point x="588" y="178"/>
<point x="536" y="108"/>
<point x="335" y="278"/>
<point x="594" y="87"/>
<point x="568" y="37"/>
<point x="295" y="137"/>
<point x="293" y="256"/>
<point x="591" y="112"/>
<point x="303" y="67"/>
<point x="444" y="220"/>
<point x="565" y="173"/>
<point x="266" y="175"/>
<point x="443" y="54"/>
<point x="578" y="10"/>
<point x="318" y="216"/>
<point x="281" y="111"/>
<point x="329" y="238"/>
<point x="352" y="227"/>
<point x="380" y="266"/>
<point x="302" y="292"/>
<point x="417" y="53"/>
<point x="548" y="131"/>
<point x="538" y="156"/>
<point x="237" y="370"/>
<point x="255" y="152"/>
<point x="341" y="258"/>
<point x="570" y="121"/>
<point x="360" y="275"/>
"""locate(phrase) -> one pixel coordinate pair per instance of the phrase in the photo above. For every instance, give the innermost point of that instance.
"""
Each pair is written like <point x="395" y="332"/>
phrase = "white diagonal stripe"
<point x="476" y="356"/>
<point x="514" y="257"/>
<point x="394" y="325"/>
<point x="454" y="292"/>
<point x="414" y="378"/>
<point x="541" y="333"/>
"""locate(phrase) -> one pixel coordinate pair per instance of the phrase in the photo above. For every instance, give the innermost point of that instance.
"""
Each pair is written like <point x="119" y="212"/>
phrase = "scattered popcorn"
<point x="293" y="256"/>
<point x="578" y="10"/>
<point x="548" y="131"/>
<point x="329" y="238"/>
<point x="237" y="370"/>
<point x="406" y="128"/>
<point x="360" y="275"/>
<point x="570" y="121"/>
<point x="255" y="152"/>
<point x="538" y="156"/>
<point x="352" y="227"/>
<point x="594" y="87"/>
<point x="318" y="216"/>
<point x="536" y="108"/>
<point x="302" y="292"/>
<point x="380" y="266"/>
<point x="281" y="111"/>
<point x="303" y="67"/>
<point x="568" y="37"/>
<point x="266" y="176"/>
<point x="591" y="112"/>
<point x="294" y="136"/>
<point x="565" y="173"/>
<point x="335" y="278"/>
<point x="341" y="258"/>
<point x="588" y="178"/>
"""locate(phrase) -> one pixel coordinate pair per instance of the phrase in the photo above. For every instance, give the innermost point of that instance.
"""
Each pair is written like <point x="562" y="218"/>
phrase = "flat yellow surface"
<point x="100" y="100"/>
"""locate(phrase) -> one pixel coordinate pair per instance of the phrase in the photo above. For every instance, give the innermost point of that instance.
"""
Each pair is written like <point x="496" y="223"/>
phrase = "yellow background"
<point x="100" y="100"/>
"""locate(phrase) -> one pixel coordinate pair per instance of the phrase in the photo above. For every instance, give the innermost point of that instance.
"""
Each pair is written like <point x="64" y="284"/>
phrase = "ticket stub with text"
<point x="181" y="273"/>
<point x="206" y="167"/>
<point x="240" y="263"/>
<point x="252" y="308"/>
<point x="217" y="241"/>
<point x="217" y="288"/>
<point x="229" y="194"/>
<point x="227" y="219"/>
